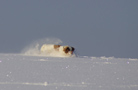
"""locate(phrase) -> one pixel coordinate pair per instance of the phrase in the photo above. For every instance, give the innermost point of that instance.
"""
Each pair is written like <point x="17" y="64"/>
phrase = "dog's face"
<point x="68" y="49"/>
<point x="65" y="49"/>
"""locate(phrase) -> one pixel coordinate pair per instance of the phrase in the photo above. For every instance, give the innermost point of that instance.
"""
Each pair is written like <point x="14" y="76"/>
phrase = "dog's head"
<point x="68" y="49"/>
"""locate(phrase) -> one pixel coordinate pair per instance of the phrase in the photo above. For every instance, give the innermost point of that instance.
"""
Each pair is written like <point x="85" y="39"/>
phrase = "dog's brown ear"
<point x="56" y="46"/>
<point x="73" y="48"/>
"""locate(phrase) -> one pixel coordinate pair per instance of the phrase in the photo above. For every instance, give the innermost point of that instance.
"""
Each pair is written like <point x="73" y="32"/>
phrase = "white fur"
<point x="47" y="48"/>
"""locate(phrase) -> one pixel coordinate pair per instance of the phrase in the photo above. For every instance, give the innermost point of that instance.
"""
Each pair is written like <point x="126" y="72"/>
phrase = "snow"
<point x="22" y="72"/>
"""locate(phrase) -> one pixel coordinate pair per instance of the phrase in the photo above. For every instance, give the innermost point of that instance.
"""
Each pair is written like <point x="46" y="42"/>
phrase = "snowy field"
<point x="22" y="72"/>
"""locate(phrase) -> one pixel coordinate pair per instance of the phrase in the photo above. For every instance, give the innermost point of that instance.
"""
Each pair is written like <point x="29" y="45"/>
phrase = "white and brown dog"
<point x="57" y="50"/>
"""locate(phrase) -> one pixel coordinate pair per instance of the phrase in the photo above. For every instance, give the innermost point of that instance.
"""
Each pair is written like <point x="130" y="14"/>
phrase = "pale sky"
<point x="94" y="27"/>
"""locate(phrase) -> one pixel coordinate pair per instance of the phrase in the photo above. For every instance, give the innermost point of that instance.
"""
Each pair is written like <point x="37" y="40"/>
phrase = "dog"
<point x="57" y="50"/>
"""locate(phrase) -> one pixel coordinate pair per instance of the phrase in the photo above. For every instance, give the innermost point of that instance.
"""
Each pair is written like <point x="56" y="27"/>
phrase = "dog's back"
<point x="47" y="48"/>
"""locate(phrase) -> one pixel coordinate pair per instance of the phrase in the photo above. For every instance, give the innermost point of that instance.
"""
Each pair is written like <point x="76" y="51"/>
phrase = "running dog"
<point x="59" y="49"/>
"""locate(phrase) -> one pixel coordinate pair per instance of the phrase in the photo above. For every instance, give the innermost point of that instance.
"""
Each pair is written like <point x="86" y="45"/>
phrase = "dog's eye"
<point x="68" y="49"/>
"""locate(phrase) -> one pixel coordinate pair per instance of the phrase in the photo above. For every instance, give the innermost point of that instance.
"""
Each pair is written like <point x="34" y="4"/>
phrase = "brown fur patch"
<point x="56" y="46"/>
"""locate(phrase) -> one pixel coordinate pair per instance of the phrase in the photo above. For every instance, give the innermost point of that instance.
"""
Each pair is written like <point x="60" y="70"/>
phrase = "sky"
<point x="94" y="27"/>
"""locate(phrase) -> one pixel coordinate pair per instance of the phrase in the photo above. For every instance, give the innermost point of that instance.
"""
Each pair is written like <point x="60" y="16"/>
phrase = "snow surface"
<point x="22" y="72"/>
